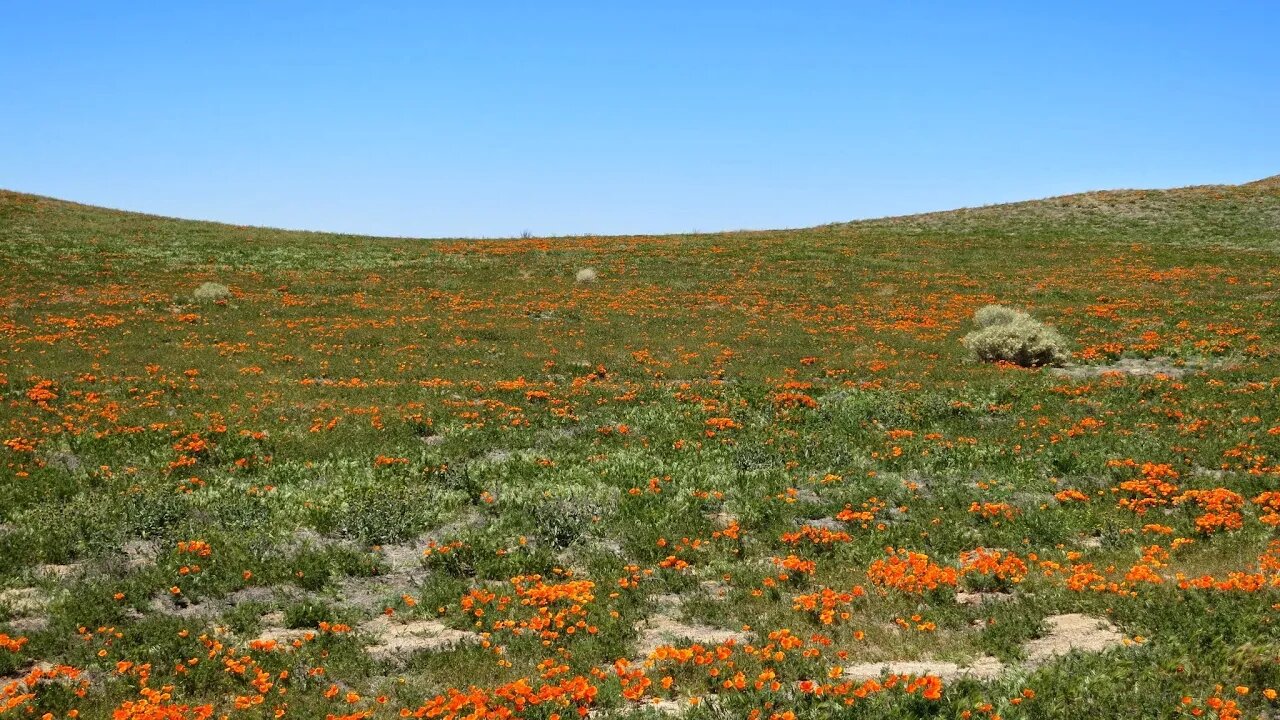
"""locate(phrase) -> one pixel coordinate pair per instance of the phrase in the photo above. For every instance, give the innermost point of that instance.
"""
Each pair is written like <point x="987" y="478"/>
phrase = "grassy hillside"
<point x="737" y="473"/>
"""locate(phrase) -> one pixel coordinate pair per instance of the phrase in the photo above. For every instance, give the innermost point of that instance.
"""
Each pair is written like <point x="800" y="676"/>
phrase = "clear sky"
<point x="490" y="119"/>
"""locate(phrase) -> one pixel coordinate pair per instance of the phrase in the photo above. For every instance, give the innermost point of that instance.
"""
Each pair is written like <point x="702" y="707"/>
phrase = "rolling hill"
<point x="250" y="472"/>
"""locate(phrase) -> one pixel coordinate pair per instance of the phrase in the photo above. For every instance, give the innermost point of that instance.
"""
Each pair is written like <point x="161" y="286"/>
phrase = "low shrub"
<point x="989" y="315"/>
<point x="1008" y="335"/>
<point x="560" y="521"/>
<point x="211" y="292"/>
<point x="378" y="514"/>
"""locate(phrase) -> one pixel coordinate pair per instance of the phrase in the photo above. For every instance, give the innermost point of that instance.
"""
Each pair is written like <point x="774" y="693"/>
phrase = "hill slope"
<point x="398" y="477"/>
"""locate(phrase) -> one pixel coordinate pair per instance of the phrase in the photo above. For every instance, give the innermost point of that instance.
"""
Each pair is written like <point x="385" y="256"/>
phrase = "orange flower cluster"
<point x="994" y="563"/>
<point x="633" y="683"/>
<point x="796" y="564"/>
<point x="1269" y="561"/>
<point x="928" y="686"/>
<point x="1233" y="582"/>
<point x="512" y="700"/>
<point x="865" y="516"/>
<point x="1142" y="573"/>
<point x="816" y="536"/>
<point x="1071" y="495"/>
<point x="192" y="444"/>
<point x="686" y="546"/>
<point x="21" y="445"/>
<point x="1267" y="576"/>
<point x="721" y="424"/>
<point x="910" y="572"/>
<point x="21" y="692"/>
<point x="199" y="548"/>
<point x="1084" y="576"/>
<point x="533" y="591"/>
<point x="435" y="548"/>
<point x="156" y="705"/>
<point x="1220" y="708"/>
<point x="1221" y="509"/>
<point x="558" y="609"/>
<point x="42" y="393"/>
<point x="725" y="665"/>
<point x="11" y="644"/>
<point x="1154" y="489"/>
<point x="732" y="531"/>
<point x="1269" y="501"/>
<point x="696" y="655"/>
<point x="828" y="605"/>
<point x="794" y="400"/>
<point x="994" y="511"/>
<point x="674" y="562"/>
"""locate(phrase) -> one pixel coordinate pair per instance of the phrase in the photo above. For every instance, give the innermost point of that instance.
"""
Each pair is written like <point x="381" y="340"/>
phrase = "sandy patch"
<point x="1072" y="632"/>
<point x="662" y="630"/>
<point x="982" y="598"/>
<point x="400" y="640"/>
<point x="1066" y="633"/>
<point x="984" y="668"/>
<point x="274" y="630"/>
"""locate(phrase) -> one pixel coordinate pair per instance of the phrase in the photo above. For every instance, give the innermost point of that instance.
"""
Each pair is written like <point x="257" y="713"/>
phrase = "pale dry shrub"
<point x="1009" y="335"/>
<point x="211" y="292"/>
<point x="586" y="275"/>
<point x="989" y="315"/>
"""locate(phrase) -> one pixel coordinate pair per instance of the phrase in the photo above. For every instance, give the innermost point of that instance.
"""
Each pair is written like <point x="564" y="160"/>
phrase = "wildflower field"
<point x="738" y="475"/>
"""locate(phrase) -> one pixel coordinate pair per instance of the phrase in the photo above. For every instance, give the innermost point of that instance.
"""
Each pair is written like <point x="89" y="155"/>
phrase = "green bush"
<point x="560" y="521"/>
<point x="379" y="513"/>
<point x="1008" y="335"/>
<point x="557" y="517"/>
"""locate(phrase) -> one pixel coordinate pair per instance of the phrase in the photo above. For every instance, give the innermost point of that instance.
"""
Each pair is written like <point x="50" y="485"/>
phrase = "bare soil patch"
<point x="400" y="640"/>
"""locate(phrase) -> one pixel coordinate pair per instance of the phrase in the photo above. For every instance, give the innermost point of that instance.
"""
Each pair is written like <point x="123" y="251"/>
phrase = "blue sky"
<point x="490" y="119"/>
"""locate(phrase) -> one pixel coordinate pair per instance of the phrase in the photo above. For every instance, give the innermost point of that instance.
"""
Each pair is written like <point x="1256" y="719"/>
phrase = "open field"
<point x="735" y="475"/>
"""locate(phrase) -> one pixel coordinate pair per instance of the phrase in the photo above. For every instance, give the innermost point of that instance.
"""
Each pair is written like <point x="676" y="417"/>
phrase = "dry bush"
<point x="211" y="292"/>
<point x="989" y="315"/>
<point x="1009" y="335"/>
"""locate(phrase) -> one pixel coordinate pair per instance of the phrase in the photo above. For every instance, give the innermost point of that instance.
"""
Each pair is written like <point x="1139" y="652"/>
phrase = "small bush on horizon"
<point x="211" y="292"/>
<point x="1008" y="335"/>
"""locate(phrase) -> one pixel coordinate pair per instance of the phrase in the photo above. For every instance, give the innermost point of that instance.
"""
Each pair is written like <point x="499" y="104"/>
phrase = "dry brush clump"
<point x="211" y="292"/>
<point x="1008" y="335"/>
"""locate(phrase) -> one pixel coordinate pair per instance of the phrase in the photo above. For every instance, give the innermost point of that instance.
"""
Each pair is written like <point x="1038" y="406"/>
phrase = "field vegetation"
<point x="251" y="473"/>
